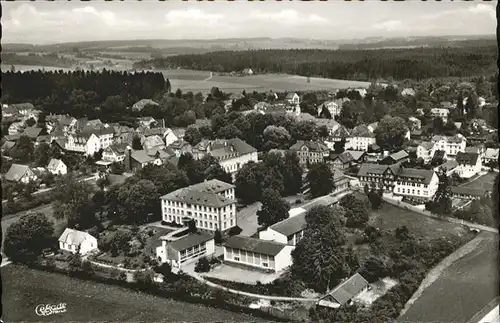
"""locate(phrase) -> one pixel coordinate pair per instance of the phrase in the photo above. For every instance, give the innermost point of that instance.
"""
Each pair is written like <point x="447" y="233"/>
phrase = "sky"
<point x="43" y="22"/>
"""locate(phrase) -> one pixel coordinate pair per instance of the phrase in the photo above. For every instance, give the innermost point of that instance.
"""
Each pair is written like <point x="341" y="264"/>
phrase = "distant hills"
<point x="200" y="46"/>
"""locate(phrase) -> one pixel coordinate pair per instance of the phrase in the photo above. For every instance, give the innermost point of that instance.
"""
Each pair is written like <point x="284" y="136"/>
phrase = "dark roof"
<point x="16" y="172"/>
<point x="8" y="145"/>
<point x="362" y="131"/>
<point x="345" y="291"/>
<point x="427" y="145"/>
<point x="345" y="157"/>
<point x="213" y="185"/>
<point x="264" y="247"/>
<point x="312" y="145"/>
<point x="423" y="174"/>
<point x="449" y="164"/>
<point x="439" y="154"/>
<point x="341" y="132"/>
<point x="467" y="158"/>
<point x="32" y="132"/>
<point x="190" y="240"/>
<point x="205" y="193"/>
<point x="468" y="190"/>
<point x="291" y="225"/>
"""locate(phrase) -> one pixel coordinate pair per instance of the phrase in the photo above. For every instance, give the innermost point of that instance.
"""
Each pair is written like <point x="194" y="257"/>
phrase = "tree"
<point x="202" y="265"/>
<point x="375" y="198"/>
<point x="274" y="209"/>
<point x="275" y="137"/>
<point x="292" y="174"/>
<point x="373" y="268"/>
<point x="168" y="87"/>
<point x="117" y="242"/>
<point x="218" y="236"/>
<point x="441" y="204"/>
<point x="339" y="146"/>
<point x="144" y="278"/>
<point x="356" y="211"/>
<point x="75" y="261"/>
<point x="136" y="200"/>
<point x="136" y="143"/>
<point x="30" y="122"/>
<point x="192" y="168"/>
<point x="391" y="132"/>
<point x="320" y="179"/>
<point x="23" y="151"/>
<point x="495" y="197"/>
<point x="42" y="154"/>
<point x="192" y="226"/>
<point x="248" y="182"/>
<point x="320" y="259"/>
<point x="26" y="238"/>
<point x="192" y="135"/>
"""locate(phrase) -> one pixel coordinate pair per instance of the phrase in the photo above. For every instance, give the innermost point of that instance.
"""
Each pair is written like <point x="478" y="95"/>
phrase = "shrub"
<point x="202" y="266"/>
<point x="298" y="201"/>
<point x="235" y="231"/>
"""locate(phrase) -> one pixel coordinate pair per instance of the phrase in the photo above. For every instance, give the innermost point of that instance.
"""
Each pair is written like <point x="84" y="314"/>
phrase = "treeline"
<point x="412" y="63"/>
<point x="37" y="59"/>
<point x="78" y="92"/>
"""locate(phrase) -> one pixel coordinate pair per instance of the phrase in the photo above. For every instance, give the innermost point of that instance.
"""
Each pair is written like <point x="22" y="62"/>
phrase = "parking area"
<point x="241" y="275"/>
<point x="246" y="219"/>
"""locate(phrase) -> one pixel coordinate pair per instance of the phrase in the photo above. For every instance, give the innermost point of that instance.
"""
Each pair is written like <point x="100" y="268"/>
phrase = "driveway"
<point x="242" y="275"/>
<point x="246" y="219"/>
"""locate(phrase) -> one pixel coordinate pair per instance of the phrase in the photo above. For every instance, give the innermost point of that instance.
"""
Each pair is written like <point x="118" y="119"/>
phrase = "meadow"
<point x="24" y="289"/>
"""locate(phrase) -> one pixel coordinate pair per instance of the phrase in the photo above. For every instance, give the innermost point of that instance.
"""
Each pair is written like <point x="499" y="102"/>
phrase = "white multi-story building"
<point x="310" y="151"/>
<point x="425" y="151"/>
<point x="452" y="145"/>
<point x="416" y="183"/>
<point x="179" y="251"/>
<point x="232" y="154"/>
<point x="256" y="253"/>
<point x="360" y="138"/>
<point x="211" y="204"/>
<point x="469" y="164"/>
<point x="85" y="143"/>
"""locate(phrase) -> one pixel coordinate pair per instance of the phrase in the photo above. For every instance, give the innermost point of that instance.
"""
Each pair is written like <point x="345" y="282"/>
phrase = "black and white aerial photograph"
<point x="250" y="161"/>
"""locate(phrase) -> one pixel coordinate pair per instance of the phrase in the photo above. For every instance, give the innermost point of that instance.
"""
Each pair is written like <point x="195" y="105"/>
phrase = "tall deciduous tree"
<point x="390" y="133"/>
<point x="320" y="179"/>
<point x="192" y="135"/>
<point x="320" y="258"/>
<point x="139" y="202"/>
<point x="26" y="238"/>
<point x="274" y="208"/>
<point x="23" y="151"/>
<point x="42" y="154"/>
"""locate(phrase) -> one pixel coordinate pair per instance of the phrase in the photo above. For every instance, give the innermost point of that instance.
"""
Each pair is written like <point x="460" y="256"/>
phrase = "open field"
<point x="462" y="289"/>
<point x="25" y="288"/>
<point x="485" y="182"/>
<point x="390" y="217"/>
<point x="196" y="81"/>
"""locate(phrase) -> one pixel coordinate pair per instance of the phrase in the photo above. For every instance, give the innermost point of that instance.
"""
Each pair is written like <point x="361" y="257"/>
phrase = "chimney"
<point x="128" y="159"/>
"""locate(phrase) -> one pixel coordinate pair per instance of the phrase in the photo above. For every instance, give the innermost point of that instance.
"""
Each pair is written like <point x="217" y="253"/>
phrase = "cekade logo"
<point x="48" y="309"/>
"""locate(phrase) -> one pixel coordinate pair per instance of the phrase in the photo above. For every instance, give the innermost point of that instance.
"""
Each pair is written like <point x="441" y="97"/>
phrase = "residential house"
<point x="414" y="183"/>
<point x="137" y="159"/>
<point x="310" y="152"/>
<point x="425" y="151"/>
<point x="247" y="71"/>
<point x="180" y="147"/>
<point x="7" y="146"/>
<point x="341" y="133"/>
<point x="476" y="149"/>
<point x="211" y="204"/>
<point x="231" y="154"/>
<point x="20" y="174"/>
<point x="341" y="183"/>
<point x="344" y="292"/>
<point x="261" y="106"/>
<point x="330" y="124"/>
<point x="468" y="193"/>
<point x="57" y="167"/>
<point x="139" y="105"/>
<point x="441" y="113"/>
<point x="415" y="123"/>
<point x="448" y="167"/>
<point x="491" y="155"/>
<point x="114" y="153"/>
<point x="152" y="142"/>
<point x="32" y="132"/>
<point x="397" y="157"/>
<point x="123" y="134"/>
<point x="292" y="98"/>
<point x="65" y="123"/>
<point x="360" y="138"/>
<point x="469" y="164"/>
<point x="372" y="126"/>
<point x="408" y="92"/>
<point x="77" y="241"/>
<point x="170" y="137"/>
<point x="333" y="107"/>
<point x="146" y="121"/>
<point x="288" y="231"/>
<point x="181" y="247"/>
<point x="86" y="143"/>
<point x="9" y="111"/>
<point x="451" y="144"/>
<point x="16" y="128"/>
<point x="105" y="135"/>
<point x="343" y="161"/>
<point x="358" y="157"/>
<point x="256" y="253"/>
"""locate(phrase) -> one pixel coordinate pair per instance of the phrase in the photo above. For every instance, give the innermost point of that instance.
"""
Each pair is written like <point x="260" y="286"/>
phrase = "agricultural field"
<point x="485" y="182"/>
<point x="24" y="289"/>
<point x="462" y="289"/>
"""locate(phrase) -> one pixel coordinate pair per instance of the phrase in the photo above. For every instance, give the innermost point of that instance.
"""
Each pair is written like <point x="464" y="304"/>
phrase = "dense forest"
<point x="399" y="64"/>
<point x="51" y="59"/>
<point x="79" y="92"/>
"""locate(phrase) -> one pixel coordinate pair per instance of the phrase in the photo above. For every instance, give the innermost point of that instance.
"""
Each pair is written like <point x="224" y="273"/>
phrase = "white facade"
<point x="111" y="155"/>
<point x="272" y="235"/>
<point x="332" y="107"/>
<point x="105" y="140"/>
<point x="440" y="112"/>
<point x="258" y="260"/>
<point x="72" y="239"/>
<point x="88" y="146"/>
<point x="57" y="167"/>
<point x="425" y="153"/>
<point x="293" y="99"/>
<point x="179" y="258"/>
<point x="359" y="143"/>
<point x="466" y="170"/>
<point x="16" y="128"/>
<point x="404" y="187"/>
<point x="170" y="137"/>
<point x="451" y="145"/>
<point x="233" y="165"/>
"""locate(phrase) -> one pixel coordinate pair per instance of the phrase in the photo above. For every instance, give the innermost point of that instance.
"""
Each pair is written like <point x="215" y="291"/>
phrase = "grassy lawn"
<point x="463" y="288"/>
<point x="485" y="182"/>
<point x="85" y="301"/>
